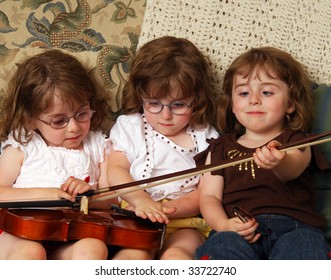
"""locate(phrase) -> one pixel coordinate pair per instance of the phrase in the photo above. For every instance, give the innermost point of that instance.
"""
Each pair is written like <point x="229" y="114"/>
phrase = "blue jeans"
<point x="288" y="239"/>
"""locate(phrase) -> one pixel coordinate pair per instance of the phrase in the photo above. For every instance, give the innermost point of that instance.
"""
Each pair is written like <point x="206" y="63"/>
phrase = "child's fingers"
<point x="66" y="184"/>
<point x="75" y="186"/>
<point x="169" y="210"/>
<point x="153" y="215"/>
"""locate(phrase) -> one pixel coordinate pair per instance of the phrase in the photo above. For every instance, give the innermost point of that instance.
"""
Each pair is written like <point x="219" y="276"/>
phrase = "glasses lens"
<point x="153" y="106"/>
<point x="178" y="108"/>
<point x="59" y="122"/>
<point x="84" y="116"/>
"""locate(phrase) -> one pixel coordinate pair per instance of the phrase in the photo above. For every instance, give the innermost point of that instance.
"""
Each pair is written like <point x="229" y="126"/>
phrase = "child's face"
<point x="72" y="134"/>
<point x="261" y="103"/>
<point x="166" y="122"/>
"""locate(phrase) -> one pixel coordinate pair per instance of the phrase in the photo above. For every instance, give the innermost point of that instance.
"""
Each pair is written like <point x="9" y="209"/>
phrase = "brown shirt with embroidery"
<point x="259" y="191"/>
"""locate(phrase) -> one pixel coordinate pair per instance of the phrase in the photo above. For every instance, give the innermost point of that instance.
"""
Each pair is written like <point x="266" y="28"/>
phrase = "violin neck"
<point x="39" y="203"/>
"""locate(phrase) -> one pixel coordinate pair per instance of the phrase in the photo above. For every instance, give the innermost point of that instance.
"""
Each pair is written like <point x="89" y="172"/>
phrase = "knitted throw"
<point x="223" y="29"/>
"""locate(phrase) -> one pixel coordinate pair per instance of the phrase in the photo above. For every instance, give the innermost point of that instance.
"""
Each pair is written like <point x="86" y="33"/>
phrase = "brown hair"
<point x="275" y="62"/>
<point x="31" y="92"/>
<point x="170" y="63"/>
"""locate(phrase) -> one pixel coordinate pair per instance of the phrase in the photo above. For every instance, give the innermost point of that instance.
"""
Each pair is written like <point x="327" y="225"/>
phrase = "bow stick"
<point x="162" y="179"/>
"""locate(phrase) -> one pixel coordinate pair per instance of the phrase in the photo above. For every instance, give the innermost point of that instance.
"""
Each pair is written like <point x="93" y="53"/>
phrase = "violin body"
<point x="70" y="225"/>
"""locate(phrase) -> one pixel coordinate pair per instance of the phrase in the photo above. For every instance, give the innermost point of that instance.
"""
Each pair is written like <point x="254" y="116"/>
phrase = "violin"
<point x="72" y="225"/>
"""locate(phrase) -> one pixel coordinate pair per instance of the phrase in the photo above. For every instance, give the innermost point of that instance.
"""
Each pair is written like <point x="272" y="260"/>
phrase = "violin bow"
<point x="160" y="180"/>
<point x="168" y="178"/>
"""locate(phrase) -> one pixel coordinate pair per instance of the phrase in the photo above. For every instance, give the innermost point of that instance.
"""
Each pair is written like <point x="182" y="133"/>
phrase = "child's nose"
<point x="254" y="99"/>
<point x="166" y="113"/>
<point x="72" y="124"/>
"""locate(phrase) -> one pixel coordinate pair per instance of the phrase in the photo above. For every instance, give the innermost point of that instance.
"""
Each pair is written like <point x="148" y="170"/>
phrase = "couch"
<point x="105" y="35"/>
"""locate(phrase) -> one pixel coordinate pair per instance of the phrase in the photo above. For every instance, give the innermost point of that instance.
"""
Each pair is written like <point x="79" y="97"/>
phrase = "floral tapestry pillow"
<point x="102" y="34"/>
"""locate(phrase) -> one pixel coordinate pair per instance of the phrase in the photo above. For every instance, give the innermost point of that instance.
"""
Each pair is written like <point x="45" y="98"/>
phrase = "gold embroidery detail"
<point x="243" y="166"/>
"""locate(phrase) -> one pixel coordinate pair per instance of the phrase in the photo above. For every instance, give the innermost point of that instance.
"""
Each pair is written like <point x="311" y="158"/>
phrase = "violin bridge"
<point x="84" y="205"/>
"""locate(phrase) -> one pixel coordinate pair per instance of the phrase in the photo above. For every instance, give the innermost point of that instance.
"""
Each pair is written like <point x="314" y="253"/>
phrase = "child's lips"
<point x="73" y="138"/>
<point x="255" y="113"/>
<point x="164" y="124"/>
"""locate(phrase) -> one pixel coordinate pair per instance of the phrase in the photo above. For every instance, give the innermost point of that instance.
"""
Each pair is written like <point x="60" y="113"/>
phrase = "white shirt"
<point x="152" y="154"/>
<point x="45" y="166"/>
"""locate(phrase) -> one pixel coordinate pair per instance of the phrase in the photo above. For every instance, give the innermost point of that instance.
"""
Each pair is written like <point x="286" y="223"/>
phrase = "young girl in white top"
<point x="52" y="145"/>
<point x="168" y="106"/>
<point x="50" y="128"/>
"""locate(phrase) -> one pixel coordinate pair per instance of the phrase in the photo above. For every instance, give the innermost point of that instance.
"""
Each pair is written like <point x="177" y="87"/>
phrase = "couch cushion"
<point x="322" y="123"/>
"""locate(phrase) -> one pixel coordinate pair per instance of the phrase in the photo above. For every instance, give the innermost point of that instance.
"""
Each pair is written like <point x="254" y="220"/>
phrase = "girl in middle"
<point x="168" y="114"/>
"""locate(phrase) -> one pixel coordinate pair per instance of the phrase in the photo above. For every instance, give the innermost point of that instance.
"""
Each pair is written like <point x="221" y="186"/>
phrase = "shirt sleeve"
<point x="10" y="141"/>
<point x="125" y="135"/>
<point x="98" y="143"/>
<point x="204" y="136"/>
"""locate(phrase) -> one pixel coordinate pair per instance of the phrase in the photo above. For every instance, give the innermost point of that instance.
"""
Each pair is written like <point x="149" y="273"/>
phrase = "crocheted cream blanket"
<point x="223" y="29"/>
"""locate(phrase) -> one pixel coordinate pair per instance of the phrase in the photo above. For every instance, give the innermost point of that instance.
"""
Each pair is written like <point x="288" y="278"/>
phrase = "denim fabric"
<point x="288" y="240"/>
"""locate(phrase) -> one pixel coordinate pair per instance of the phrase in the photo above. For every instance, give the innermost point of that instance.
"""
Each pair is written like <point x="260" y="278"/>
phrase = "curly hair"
<point x="31" y="92"/>
<point x="166" y="64"/>
<point x="276" y="63"/>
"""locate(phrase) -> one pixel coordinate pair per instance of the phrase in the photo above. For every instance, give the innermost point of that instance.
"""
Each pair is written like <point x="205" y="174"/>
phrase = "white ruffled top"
<point x="46" y="166"/>
<point x="152" y="154"/>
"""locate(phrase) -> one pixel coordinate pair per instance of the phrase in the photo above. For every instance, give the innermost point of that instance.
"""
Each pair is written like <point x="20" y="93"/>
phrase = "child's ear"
<point x="32" y="124"/>
<point x="290" y="109"/>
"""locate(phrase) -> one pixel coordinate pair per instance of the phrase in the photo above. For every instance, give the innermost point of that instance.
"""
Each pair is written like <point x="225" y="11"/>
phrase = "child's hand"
<point x="74" y="186"/>
<point x="247" y="230"/>
<point x="57" y="193"/>
<point x="269" y="156"/>
<point x="154" y="211"/>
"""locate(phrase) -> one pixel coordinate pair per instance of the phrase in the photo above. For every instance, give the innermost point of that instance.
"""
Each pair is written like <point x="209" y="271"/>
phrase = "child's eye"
<point x="267" y="93"/>
<point x="82" y="115"/>
<point x="59" y="121"/>
<point x="153" y="103"/>
<point x="245" y="93"/>
<point x="178" y="105"/>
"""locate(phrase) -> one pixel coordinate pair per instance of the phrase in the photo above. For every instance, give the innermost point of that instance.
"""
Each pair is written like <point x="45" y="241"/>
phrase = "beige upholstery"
<point x="225" y="28"/>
